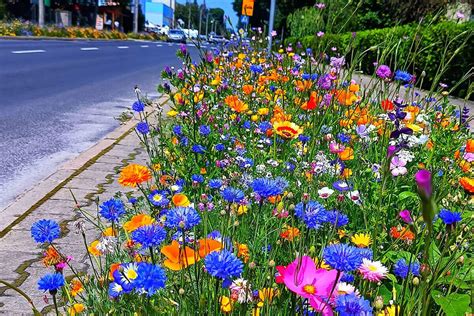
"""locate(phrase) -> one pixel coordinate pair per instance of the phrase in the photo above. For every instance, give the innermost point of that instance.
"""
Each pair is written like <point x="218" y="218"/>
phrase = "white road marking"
<point x="159" y="45"/>
<point x="144" y="46"/>
<point x="170" y="44"/>
<point x="89" y="48"/>
<point x="28" y="51"/>
<point x="122" y="47"/>
<point x="202" y="46"/>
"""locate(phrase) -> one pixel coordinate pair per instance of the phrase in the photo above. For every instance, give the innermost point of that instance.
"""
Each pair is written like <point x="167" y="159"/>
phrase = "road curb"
<point x="15" y="212"/>
<point x="50" y="38"/>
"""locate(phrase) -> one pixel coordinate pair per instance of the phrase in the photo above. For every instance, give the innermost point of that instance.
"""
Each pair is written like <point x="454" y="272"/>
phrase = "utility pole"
<point x="270" y="24"/>
<point x="135" y="17"/>
<point x="189" y="15"/>
<point x="207" y="24"/>
<point x="41" y="13"/>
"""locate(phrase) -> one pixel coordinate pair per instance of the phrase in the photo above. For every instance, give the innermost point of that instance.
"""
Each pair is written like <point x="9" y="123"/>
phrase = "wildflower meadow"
<point x="280" y="184"/>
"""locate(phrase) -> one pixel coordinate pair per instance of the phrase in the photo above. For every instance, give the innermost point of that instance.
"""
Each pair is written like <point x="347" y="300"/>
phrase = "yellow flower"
<point x="226" y="304"/>
<point x="263" y="111"/>
<point x="254" y="118"/>
<point x="75" y="309"/>
<point x="242" y="209"/>
<point x="180" y="199"/>
<point x="361" y="240"/>
<point x="172" y="113"/>
<point x="287" y="129"/>
<point x="93" y="248"/>
<point x="389" y="311"/>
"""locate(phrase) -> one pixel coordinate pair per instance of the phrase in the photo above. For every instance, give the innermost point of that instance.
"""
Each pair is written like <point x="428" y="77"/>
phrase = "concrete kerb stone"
<point x="29" y="258"/>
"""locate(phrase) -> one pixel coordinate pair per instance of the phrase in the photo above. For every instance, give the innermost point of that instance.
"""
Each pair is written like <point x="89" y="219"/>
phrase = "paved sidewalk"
<point x="91" y="176"/>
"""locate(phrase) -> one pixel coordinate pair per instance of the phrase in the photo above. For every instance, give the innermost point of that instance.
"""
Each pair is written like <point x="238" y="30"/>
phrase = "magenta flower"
<point x="406" y="216"/>
<point x="423" y="181"/>
<point x="320" y="34"/>
<point x="391" y="150"/>
<point x="317" y="285"/>
<point x="383" y="72"/>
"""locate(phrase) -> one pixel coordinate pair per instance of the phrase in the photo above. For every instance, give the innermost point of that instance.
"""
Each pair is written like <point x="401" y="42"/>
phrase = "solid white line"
<point x="28" y="51"/>
<point x="89" y="48"/>
<point x="144" y="46"/>
<point x="159" y="45"/>
<point x="122" y="47"/>
<point x="203" y="46"/>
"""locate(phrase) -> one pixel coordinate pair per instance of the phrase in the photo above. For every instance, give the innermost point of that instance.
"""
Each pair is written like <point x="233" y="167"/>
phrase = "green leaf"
<point x="407" y="194"/>
<point x="435" y="254"/>
<point x="454" y="304"/>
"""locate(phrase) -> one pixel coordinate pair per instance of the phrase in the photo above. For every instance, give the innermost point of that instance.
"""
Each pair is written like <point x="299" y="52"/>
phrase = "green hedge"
<point x="414" y="48"/>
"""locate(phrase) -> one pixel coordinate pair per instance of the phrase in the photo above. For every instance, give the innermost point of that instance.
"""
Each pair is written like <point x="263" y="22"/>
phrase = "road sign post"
<point x="247" y="7"/>
<point x="270" y="24"/>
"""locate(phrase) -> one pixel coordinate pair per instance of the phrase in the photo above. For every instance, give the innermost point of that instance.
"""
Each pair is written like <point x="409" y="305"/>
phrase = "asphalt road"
<point x="57" y="98"/>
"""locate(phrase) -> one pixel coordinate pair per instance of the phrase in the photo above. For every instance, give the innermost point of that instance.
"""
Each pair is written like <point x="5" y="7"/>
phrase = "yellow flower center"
<point x="157" y="197"/>
<point x="372" y="268"/>
<point x="310" y="289"/>
<point x="131" y="274"/>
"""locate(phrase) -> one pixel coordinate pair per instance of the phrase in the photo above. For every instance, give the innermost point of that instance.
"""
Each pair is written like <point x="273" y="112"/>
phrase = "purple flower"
<point x="384" y="72"/>
<point x="391" y="150"/>
<point x="423" y="181"/>
<point x="397" y="167"/>
<point x="406" y="216"/>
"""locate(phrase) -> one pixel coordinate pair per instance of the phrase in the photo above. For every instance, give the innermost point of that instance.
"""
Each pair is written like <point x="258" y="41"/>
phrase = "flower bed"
<point x="275" y="187"/>
<point x="17" y="28"/>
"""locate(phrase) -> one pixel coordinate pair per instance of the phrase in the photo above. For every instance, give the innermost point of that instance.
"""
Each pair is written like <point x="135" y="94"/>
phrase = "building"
<point x="159" y="12"/>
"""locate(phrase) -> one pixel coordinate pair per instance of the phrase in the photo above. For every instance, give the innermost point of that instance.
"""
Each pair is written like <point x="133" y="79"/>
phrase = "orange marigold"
<point x="51" y="257"/>
<point x="467" y="184"/>
<point x="403" y="233"/>
<point x="470" y="146"/>
<point x="134" y="174"/>
<point x="235" y="104"/>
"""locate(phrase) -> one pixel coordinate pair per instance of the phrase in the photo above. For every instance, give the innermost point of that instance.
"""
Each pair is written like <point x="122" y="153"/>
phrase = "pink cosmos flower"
<point x="325" y="192"/>
<point x="336" y="148"/>
<point x="372" y="271"/>
<point x="320" y="34"/>
<point x="469" y="157"/>
<point x="397" y="166"/>
<point x="317" y="285"/>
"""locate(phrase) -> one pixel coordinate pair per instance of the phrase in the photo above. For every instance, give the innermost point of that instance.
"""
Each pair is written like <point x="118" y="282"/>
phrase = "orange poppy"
<point x="287" y="129"/>
<point x="76" y="287"/>
<point x="180" y="199"/>
<point x="235" y="104"/>
<point x="346" y="154"/>
<point x="314" y="99"/>
<point x="51" y="257"/>
<point x="243" y="252"/>
<point x="302" y="85"/>
<point x="207" y="245"/>
<point x="290" y="233"/>
<point x="279" y="115"/>
<point x="93" y="248"/>
<point x="113" y="267"/>
<point x="470" y="146"/>
<point x="178" y="258"/>
<point x="387" y="105"/>
<point x="346" y="98"/>
<point x="247" y="89"/>
<point x="109" y="232"/>
<point x="404" y="233"/>
<point x="467" y="184"/>
<point x="138" y="221"/>
<point x="134" y="174"/>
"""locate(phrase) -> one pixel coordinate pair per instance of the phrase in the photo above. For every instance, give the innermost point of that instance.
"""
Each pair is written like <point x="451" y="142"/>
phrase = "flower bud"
<point x="181" y="291"/>
<point x="416" y="281"/>
<point x="271" y="263"/>
<point x="378" y="303"/>
<point x="252" y="265"/>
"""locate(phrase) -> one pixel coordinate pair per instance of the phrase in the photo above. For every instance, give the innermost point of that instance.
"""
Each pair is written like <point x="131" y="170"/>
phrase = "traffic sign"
<point x="244" y="19"/>
<point x="247" y="7"/>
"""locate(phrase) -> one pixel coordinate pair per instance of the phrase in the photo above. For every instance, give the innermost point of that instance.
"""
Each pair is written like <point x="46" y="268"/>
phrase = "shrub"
<point x="414" y="48"/>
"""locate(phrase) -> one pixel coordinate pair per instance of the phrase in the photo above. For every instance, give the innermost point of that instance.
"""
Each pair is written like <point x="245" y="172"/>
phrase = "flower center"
<point x="372" y="268"/>
<point x="310" y="289"/>
<point x="131" y="274"/>
<point x="157" y="198"/>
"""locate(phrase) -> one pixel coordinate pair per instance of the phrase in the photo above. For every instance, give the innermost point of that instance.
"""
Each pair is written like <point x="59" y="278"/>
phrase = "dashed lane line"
<point x="144" y="46"/>
<point x="122" y="47"/>
<point x="159" y="45"/>
<point x="33" y="51"/>
<point x="89" y="48"/>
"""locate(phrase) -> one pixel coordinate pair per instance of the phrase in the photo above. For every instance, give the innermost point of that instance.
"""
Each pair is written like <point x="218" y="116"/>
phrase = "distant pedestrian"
<point x="117" y="25"/>
<point x="108" y="24"/>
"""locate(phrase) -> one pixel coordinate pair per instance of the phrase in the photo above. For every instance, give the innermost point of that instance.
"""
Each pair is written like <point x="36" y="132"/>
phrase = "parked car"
<point x="203" y="38"/>
<point x="217" y="39"/>
<point x="176" y="35"/>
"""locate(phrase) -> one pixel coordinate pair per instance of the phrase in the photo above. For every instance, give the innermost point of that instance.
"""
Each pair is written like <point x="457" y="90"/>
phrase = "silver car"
<point x="176" y="36"/>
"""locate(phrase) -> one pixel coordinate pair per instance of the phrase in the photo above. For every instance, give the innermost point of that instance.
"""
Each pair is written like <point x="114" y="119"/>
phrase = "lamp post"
<point x="135" y="17"/>
<point x="270" y="24"/>
<point x="41" y="13"/>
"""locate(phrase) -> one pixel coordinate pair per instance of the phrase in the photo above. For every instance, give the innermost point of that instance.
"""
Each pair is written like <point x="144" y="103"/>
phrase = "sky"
<point x="225" y="5"/>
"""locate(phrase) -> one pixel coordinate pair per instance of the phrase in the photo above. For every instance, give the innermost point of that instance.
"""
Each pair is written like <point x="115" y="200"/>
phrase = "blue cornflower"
<point x="125" y="276"/>
<point x="401" y="268"/>
<point x="449" y="217"/>
<point x="143" y="128"/>
<point x="352" y="305"/>
<point x="232" y="195"/>
<point x="184" y="141"/>
<point x="265" y="126"/>
<point x="158" y="198"/>
<point x="112" y="209"/>
<point x="138" y="106"/>
<point x="115" y="289"/>
<point x="178" y="130"/>
<point x="178" y="236"/>
<point x="266" y="187"/>
<point x="256" y="68"/>
<point x="306" y="76"/>
<point x="344" y="138"/>
<point x="151" y="278"/>
<point x="215" y="234"/>
<point x="51" y="282"/>
<point x="403" y="76"/>
<point x="182" y="217"/>
<point x="149" y="235"/>
<point x="45" y="230"/>
<point x="314" y="77"/>
<point x="304" y="138"/>
<point x="289" y="166"/>
<point x="247" y="125"/>
<point x="197" y="178"/>
<point x="366" y="253"/>
<point x="223" y="264"/>
<point x="313" y="214"/>
<point x="347" y="277"/>
<point x="199" y="149"/>
<point x="342" y="257"/>
<point x="219" y="147"/>
<point x="215" y="183"/>
<point x="204" y="130"/>
<point x="336" y="218"/>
